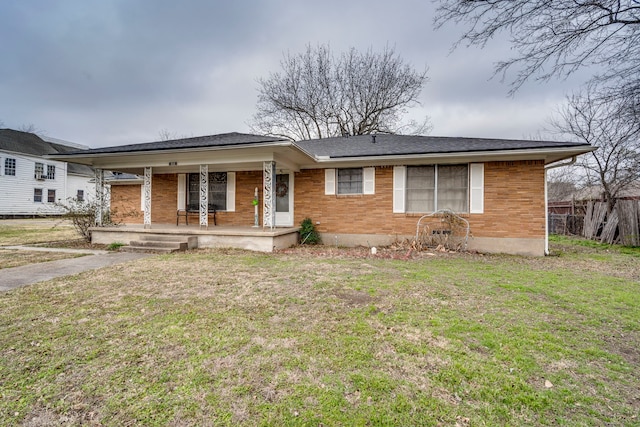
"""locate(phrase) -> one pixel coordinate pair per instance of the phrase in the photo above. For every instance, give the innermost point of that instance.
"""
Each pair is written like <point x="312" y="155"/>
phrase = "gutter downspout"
<point x="546" y="200"/>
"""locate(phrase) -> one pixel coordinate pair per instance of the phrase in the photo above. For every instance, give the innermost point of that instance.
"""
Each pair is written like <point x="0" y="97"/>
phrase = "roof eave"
<point x="549" y="155"/>
<point x="84" y="156"/>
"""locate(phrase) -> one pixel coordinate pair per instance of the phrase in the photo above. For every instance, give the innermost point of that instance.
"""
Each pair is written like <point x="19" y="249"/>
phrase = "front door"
<point x="284" y="200"/>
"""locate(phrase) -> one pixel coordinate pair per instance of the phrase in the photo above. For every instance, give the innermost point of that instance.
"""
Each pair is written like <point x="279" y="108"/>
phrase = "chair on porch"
<point x="185" y="214"/>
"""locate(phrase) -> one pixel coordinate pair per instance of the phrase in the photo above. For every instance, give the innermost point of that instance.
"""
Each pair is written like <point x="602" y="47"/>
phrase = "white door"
<point x="284" y="200"/>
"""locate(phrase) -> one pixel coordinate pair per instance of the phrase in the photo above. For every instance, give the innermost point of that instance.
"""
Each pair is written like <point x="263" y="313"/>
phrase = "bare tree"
<point x="318" y="95"/>
<point x="562" y="183"/>
<point x="167" y="135"/>
<point x="31" y="128"/>
<point x="556" y="38"/>
<point x="603" y="123"/>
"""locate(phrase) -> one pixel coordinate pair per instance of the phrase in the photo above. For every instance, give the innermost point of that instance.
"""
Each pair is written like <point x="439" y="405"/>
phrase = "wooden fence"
<point x="622" y="226"/>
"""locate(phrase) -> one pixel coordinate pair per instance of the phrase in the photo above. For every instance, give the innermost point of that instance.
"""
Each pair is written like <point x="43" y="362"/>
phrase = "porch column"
<point x="269" y="205"/>
<point x="147" y="196"/>
<point x="204" y="196"/>
<point x="99" y="176"/>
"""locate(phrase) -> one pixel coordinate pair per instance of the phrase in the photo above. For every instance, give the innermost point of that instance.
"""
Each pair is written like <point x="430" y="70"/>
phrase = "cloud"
<point x="119" y="71"/>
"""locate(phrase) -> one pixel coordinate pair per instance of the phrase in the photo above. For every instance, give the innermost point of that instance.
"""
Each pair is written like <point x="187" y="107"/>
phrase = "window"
<point x="80" y="196"/>
<point x="217" y="191"/>
<point x="39" y="171"/>
<point x="10" y="166"/>
<point x="421" y="186"/>
<point x="37" y="195"/>
<point x="51" y="196"/>
<point x="432" y="188"/>
<point x="350" y="181"/>
<point x="51" y="172"/>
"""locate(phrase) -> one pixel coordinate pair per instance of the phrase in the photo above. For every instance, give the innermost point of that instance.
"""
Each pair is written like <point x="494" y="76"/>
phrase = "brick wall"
<point x="513" y="207"/>
<point x="125" y="204"/>
<point x="514" y="204"/>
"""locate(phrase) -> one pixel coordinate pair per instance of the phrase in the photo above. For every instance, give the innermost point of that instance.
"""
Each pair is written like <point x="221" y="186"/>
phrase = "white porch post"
<point x="99" y="176"/>
<point x="147" y="196"/>
<point x="204" y="196"/>
<point x="269" y="205"/>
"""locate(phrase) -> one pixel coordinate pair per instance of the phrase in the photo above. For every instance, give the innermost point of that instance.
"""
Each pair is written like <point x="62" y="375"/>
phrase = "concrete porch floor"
<point x="221" y="236"/>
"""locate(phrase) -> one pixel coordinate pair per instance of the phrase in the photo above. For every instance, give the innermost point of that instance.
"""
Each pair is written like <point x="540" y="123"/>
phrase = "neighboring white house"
<point x="30" y="184"/>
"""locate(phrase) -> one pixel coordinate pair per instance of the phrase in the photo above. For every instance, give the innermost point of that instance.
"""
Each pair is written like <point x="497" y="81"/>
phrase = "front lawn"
<point x="328" y="337"/>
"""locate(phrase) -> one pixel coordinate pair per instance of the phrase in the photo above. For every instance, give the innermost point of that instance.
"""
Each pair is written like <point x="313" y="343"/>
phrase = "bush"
<point x="82" y="215"/>
<point x="308" y="233"/>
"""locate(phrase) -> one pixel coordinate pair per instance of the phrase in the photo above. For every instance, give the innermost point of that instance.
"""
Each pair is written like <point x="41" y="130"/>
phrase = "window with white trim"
<point x="347" y="181"/>
<point x="80" y="196"/>
<point x="10" y="166"/>
<point x="431" y="188"/>
<point x="51" y="172"/>
<point x="37" y="195"/>
<point x="38" y="172"/>
<point x="51" y="196"/>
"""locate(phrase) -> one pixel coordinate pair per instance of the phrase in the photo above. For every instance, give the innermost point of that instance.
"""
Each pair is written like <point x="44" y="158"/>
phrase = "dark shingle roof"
<point x="398" y="145"/>
<point x="25" y="143"/>
<point x="221" y="140"/>
<point x="31" y="144"/>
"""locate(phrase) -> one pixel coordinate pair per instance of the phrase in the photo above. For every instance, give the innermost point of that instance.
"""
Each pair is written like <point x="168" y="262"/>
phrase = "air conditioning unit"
<point x="40" y="177"/>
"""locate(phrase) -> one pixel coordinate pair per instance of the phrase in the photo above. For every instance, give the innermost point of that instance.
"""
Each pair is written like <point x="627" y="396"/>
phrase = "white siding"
<point x="78" y="182"/>
<point x="16" y="192"/>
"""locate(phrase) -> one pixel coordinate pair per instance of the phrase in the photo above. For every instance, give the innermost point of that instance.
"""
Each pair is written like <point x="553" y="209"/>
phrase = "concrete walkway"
<point x="15" y="277"/>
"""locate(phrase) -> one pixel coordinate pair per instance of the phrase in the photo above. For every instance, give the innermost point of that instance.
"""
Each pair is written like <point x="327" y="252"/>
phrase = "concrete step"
<point x="147" y="249"/>
<point x="180" y="246"/>
<point x="192" y="241"/>
<point x="161" y="243"/>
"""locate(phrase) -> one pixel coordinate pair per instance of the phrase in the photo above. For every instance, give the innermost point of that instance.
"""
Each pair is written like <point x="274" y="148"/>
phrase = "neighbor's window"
<point x="51" y="196"/>
<point x="80" y="196"/>
<point x="217" y="191"/>
<point x="432" y="188"/>
<point x="349" y="181"/>
<point x="10" y="166"/>
<point x="51" y="172"/>
<point x="39" y="171"/>
<point x="37" y="195"/>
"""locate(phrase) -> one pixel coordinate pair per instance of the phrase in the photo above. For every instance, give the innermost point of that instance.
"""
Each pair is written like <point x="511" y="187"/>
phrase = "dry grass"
<point x="16" y="258"/>
<point x="327" y="336"/>
<point x="30" y="231"/>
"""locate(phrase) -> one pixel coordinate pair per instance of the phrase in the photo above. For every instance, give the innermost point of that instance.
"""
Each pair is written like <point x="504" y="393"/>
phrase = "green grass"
<point x="225" y="337"/>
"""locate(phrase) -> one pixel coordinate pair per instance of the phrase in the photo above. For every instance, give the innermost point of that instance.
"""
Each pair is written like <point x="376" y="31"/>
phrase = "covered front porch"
<point x="223" y="236"/>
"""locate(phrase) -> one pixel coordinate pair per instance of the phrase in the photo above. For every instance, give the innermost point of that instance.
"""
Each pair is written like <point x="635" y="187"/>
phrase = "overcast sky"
<point x="114" y="72"/>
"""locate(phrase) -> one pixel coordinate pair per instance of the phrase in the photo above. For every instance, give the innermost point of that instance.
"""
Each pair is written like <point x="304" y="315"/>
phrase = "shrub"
<point x="308" y="233"/>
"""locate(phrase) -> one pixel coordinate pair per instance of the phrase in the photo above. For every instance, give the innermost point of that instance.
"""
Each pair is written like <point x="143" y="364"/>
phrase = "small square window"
<point x="37" y="195"/>
<point x="51" y="196"/>
<point x="350" y="181"/>
<point x="10" y="166"/>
